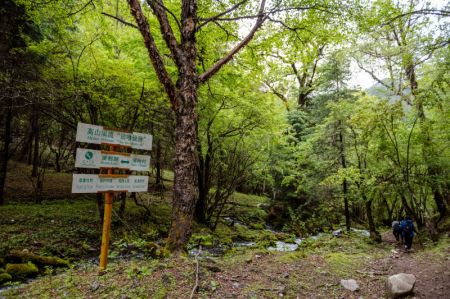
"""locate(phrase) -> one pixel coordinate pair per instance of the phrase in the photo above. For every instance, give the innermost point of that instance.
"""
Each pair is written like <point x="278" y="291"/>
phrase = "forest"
<point x="288" y="136"/>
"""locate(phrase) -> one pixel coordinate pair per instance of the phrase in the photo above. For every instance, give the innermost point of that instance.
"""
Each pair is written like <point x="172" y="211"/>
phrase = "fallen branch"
<point x="194" y="289"/>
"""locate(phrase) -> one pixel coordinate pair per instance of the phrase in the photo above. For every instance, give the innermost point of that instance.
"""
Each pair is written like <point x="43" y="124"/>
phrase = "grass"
<point x="70" y="228"/>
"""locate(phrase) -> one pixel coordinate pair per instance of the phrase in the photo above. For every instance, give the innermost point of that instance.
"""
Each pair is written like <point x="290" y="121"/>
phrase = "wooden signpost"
<point x="110" y="161"/>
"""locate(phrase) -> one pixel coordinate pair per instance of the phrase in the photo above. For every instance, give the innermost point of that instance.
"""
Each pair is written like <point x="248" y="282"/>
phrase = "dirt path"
<point x="268" y="276"/>
<point x="432" y="270"/>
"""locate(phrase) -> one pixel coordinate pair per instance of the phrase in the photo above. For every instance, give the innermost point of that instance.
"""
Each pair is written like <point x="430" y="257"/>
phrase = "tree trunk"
<point x="159" y="179"/>
<point x="100" y="206"/>
<point x="203" y="179"/>
<point x="25" y="155"/>
<point x="59" y="151"/>
<point x="57" y="162"/>
<point x="4" y="156"/>
<point x="184" y="192"/>
<point x="344" y="183"/>
<point x="438" y="196"/>
<point x="374" y="234"/>
<point x="36" y="133"/>
<point x="123" y="203"/>
<point x="200" y="206"/>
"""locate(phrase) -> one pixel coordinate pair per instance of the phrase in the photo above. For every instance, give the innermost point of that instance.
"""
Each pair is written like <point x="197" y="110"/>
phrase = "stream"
<point x="279" y="246"/>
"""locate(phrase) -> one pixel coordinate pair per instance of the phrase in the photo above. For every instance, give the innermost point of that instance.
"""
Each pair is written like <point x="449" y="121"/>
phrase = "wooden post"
<point x="106" y="230"/>
<point x="106" y="224"/>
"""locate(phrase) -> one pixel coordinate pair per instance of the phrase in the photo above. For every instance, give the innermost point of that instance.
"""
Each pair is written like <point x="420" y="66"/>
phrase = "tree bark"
<point x="123" y="204"/>
<point x="100" y="206"/>
<point x="374" y="234"/>
<point x="203" y="179"/>
<point x="344" y="183"/>
<point x="25" y="155"/>
<point x="159" y="179"/>
<point x="184" y="192"/>
<point x="200" y="206"/>
<point x="4" y="156"/>
<point x="36" y="132"/>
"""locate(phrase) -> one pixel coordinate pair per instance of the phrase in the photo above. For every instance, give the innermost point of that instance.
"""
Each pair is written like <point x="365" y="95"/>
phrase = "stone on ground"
<point x="350" y="284"/>
<point x="337" y="233"/>
<point x="400" y="284"/>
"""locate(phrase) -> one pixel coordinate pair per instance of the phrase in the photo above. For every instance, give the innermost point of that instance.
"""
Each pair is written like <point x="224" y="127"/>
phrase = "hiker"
<point x="396" y="230"/>
<point x="408" y="230"/>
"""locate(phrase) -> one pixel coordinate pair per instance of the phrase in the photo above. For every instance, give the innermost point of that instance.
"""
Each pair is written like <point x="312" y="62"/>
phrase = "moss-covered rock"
<point x="22" y="271"/>
<point x="156" y="251"/>
<point x="40" y="261"/>
<point x="258" y="226"/>
<point x="163" y="252"/>
<point x="204" y="240"/>
<point x="5" y="277"/>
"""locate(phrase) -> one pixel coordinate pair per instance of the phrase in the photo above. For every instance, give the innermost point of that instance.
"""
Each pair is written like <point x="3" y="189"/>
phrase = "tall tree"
<point x="183" y="94"/>
<point x="405" y="42"/>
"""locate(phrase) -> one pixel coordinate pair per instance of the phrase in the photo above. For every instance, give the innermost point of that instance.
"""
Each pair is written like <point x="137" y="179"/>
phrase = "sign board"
<point x="93" y="183"/>
<point x="98" y="134"/>
<point x="87" y="158"/>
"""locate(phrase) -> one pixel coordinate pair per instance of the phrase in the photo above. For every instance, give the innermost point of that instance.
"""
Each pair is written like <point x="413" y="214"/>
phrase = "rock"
<point x="236" y="285"/>
<point x="350" y="284"/>
<point x="282" y="291"/>
<point x="22" y="271"/>
<point x="400" y="284"/>
<point x="337" y="233"/>
<point x="5" y="277"/>
<point x="94" y="286"/>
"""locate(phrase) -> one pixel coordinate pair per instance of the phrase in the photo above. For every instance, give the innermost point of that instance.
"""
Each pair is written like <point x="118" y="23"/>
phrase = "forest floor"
<point x="70" y="228"/>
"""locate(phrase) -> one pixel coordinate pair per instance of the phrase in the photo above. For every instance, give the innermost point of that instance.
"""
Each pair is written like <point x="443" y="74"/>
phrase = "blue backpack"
<point x="406" y="227"/>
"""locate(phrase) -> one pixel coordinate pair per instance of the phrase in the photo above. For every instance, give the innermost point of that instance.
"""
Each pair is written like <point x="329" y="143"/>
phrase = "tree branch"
<point x="155" y="57"/>
<point x="81" y="9"/>
<point x="120" y="20"/>
<point x="372" y="74"/>
<point x="219" y="64"/>
<point x="437" y="12"/>
<point x="195" y="288"/>
<point x="171" y="13"/>
<point x="281" y="96"/>
<point x="216" y="17"/>
<point x="166" y="30"/>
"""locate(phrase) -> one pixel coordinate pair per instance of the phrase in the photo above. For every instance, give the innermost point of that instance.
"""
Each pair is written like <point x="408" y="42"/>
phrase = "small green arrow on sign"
<point x="125" y="161"/>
